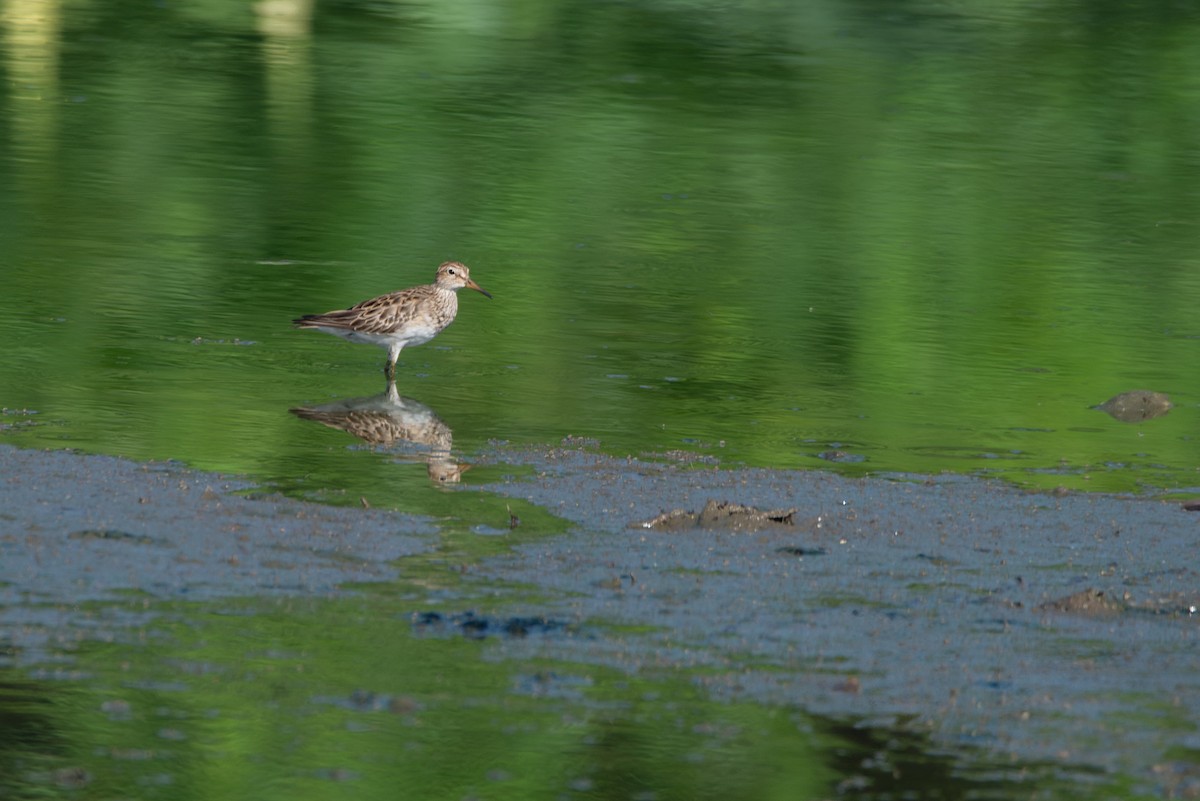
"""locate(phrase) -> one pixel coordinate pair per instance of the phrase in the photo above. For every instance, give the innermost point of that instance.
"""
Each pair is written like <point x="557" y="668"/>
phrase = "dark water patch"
<point x="841" y="456"/>
<point x="799" y="550"/>
<point x="361" y="700"/>
<point x="111" y="535"/>
<point x="475" y="626"/>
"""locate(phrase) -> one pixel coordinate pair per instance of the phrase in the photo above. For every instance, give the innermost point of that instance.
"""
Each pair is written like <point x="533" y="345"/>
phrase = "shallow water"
<point x="160" y="634"/>
<point x="835" y="236"/>
<point x="820" y="236"/>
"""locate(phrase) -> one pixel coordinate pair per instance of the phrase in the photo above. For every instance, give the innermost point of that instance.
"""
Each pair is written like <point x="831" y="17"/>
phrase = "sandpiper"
<point x="399" y="319"/>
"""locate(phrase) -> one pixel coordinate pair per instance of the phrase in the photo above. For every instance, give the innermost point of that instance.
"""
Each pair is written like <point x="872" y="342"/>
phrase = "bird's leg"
<point x="389" y="369"/>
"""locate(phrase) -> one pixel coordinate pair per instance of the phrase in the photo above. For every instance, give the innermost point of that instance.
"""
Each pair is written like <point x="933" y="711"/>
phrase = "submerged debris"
<point x="799" y="550"/>
<point x="476" y="627"/>
<point x="720" y="515"/>
<point x="1090" y="602"/>
<point x="6" y="412"/>
<point x="844" y="457"/>
<point x="1136" y="406"/>
<point x="1095" y="603"/>
<point x="113" y="535"/>
<point x="682" y="457"/>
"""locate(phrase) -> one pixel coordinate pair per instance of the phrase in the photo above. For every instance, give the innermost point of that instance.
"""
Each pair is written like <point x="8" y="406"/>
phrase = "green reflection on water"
<point x="288" y="699"/>
<point x="925" y="240"/>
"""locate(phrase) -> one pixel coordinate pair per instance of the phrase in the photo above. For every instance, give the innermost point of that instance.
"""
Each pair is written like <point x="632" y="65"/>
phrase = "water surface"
<point x="920" y="240"/>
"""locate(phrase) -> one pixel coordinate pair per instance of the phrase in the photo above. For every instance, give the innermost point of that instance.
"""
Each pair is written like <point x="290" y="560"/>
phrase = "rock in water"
<point x="1136" y="406"/>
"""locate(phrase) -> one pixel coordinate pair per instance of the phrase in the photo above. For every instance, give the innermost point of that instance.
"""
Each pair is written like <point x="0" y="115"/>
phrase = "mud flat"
<point x="1058" y="627"/>
<point x="76" y="529"/>
<point x="1042" y="626"/>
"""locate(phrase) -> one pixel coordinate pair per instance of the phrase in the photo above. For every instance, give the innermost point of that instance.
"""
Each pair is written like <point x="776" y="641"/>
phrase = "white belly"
<point x="411" y="335"/>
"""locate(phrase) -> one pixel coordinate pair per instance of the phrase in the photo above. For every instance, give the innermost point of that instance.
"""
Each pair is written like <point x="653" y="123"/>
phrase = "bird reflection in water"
<point x="390" y="419"/>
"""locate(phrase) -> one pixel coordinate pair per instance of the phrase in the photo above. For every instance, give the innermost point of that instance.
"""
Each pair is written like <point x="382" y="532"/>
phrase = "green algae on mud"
<point x="931" y="614"/>
<point x="941" y="594"/>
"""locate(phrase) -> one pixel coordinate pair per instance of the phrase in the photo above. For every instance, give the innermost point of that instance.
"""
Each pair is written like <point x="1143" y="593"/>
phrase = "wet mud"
<point x="76" y="529"/>
<point x="1032" y="625"/>
<point x="1029" y="625"/>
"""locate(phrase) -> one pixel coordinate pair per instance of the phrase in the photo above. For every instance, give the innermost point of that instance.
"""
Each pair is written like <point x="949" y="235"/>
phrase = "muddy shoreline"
<point x="1033" y="626"/>
<point x="987" y="615"/>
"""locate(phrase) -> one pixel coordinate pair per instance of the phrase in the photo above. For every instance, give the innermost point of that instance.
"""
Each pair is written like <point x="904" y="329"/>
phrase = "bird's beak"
<point x="472" y="285"/>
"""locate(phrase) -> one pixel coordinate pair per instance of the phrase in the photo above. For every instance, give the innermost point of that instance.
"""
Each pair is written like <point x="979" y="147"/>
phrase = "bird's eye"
<point x="451" y="271"/>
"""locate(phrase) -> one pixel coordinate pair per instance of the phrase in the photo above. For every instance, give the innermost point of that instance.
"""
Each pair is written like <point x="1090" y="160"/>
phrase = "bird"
<point x="398" y="319"/>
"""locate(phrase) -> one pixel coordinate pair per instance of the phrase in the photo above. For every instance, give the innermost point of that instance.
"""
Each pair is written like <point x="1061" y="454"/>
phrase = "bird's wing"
<point x="375" y="316"/>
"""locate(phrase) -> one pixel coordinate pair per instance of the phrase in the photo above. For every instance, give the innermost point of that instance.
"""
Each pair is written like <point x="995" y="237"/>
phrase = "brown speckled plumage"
<point x="399" y="319"/>
<point x="391" y="420"/>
